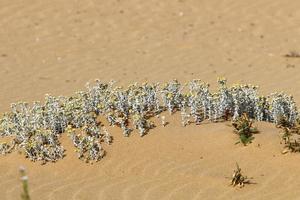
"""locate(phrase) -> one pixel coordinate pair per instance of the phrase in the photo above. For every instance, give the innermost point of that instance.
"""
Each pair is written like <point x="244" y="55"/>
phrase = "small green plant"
<point x="238" y="179"/>
<point x="244" y="128"/>
<point x="24" y="179"/>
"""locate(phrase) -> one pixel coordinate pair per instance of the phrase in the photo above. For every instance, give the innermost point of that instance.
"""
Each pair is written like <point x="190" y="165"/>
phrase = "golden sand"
<point x="55" y="47"/>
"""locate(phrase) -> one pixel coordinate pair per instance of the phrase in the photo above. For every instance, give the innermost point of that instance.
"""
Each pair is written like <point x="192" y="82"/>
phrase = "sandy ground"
<point x="55" y="47"/>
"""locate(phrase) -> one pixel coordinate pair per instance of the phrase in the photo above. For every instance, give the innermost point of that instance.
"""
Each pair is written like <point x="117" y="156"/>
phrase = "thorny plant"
<point x="292" y="146"/>
<point x="283" y="123"/>
<point x="244" y="128"/>
<point x="238" y="179"/>
<point x="290" y="136"/>
<point x="37" y="128"/>
<point x="291" y="141"/>
<point x="6" y="148"/>
<point x="286" y="126"/>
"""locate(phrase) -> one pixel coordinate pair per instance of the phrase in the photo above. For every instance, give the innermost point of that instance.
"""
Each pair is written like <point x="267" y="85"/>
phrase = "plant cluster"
<point x="88" y="143"/>
<point x="44" y="146"/>
<point x="37" y="128"/>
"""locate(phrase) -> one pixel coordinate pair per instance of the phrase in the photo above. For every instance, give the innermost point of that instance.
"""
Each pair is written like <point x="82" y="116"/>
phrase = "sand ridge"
<point x="57" y="46"/>
<point x="177" y="163"/>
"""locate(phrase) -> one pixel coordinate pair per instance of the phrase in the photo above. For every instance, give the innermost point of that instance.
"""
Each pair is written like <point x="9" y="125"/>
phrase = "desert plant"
<point x="262" y="109"/>
<point x="291" y="140"/>
<point x="37" y="127"/>
<point x="238" y="179"/>
<point x="88" y="146"/>
<point x="226" y="100"/>
<point x="244" y="128"/>
<point x="297" y="127"/>
<point x="199" y="100"/>
<point x="290" y="134"/>
<point x="286" y="134"/>
<point x="24" y="179"/>
<point x="172" y="95"/>
<point x="282" y="122"/>
<point x="7" y="147"/>
<point x="107" y="137"/>
<point x="245" y="99"/>
<point x="43" y="146"/>
<point x="283" y="106"/>
<point x="291" y="145"/>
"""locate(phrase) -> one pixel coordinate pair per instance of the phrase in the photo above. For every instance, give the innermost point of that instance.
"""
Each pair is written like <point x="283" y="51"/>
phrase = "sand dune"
<point x="169" y="163"/>
<point x="57" y="46"/>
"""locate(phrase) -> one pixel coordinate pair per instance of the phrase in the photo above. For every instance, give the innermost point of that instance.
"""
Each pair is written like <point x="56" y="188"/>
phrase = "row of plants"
<point x="36" y="128"/>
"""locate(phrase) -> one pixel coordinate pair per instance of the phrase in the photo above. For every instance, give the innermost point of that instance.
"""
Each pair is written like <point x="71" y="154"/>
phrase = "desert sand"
<point x="55" y="47"/>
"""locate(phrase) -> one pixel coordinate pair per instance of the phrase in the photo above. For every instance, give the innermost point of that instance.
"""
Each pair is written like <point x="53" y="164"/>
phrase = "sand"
<point x="55" y="47"/>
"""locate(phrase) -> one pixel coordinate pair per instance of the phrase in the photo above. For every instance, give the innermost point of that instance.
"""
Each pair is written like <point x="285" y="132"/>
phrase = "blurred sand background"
<point x="55" y="47"/>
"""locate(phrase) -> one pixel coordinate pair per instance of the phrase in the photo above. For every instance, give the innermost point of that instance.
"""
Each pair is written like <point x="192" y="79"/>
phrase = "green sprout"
<point x="244" y="128"/>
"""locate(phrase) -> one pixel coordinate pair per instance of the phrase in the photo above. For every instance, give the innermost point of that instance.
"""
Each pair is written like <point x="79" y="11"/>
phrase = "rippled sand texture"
<point x="54" y="46"/>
